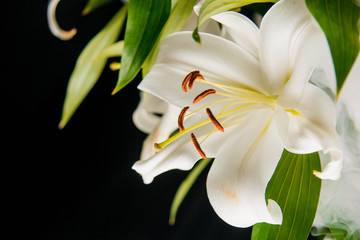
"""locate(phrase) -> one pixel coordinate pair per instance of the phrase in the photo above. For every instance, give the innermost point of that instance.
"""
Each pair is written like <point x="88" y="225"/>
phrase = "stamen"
<point x="214" y="120"/>
<point x="197" y="146"/>
<point x="197" y="77"/>
<point x="181" y="118"/>
<point x="203" y="95"/>
<point x="188" y="78"/>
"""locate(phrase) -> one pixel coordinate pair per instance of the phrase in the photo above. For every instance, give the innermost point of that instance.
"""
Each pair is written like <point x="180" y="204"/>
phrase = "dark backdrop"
<point x="77" y="183"/>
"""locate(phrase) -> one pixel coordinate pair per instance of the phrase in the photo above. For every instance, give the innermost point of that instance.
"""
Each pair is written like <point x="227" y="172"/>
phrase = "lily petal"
<point x="241" y="30"/>
<point x="248" y="163"/>
<point x="166" y="126"/>
<point x="312" y="128"/>
<point x="179" y="154"/>
<point x="216" y="64"/>
<point x="145" y="115"/>
<point x="349" y="95"/>
<point x="287" y="48"/>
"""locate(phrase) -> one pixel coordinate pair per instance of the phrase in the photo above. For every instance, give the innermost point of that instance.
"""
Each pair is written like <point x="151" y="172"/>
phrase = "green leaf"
<point x="114" y="50"/>
<point x="91" y="5"/>
<point x="185" y="187"/>
<point x="339" y="21"/>
<point x="212" y="7"/>
<point x="87" y="71"/>
<point x="145" y="21"/>
<point x="178" y="16"/>
<point x="296" y="189"/>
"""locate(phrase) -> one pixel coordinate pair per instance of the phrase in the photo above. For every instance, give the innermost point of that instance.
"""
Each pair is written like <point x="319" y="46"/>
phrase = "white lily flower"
<point x="247" y="99"/>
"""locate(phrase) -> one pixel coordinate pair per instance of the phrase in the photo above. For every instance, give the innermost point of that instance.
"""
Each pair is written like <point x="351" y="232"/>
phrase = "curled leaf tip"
<point x="53" y="24"/>
<point x="114" y="92"/>
<point x="61" y="125"/>
<point x="86" y="11"/>
<point x="171" y="221"/>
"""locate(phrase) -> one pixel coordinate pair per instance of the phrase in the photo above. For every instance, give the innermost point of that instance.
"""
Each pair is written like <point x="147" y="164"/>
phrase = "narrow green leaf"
<point x="212" y="7"/>
<point x="91" y="5"/>
<point x="145" y="21"/>
<point x="294" y="187"/>
<point x="178" y="16"/>
<point x="185" y="187"/>
<point x="87" y="71"/>
<point x="339" y="21"/>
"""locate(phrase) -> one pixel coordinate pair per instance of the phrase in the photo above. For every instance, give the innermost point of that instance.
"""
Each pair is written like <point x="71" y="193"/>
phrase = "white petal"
<point x="209" y="26"/>
<point x="313" y="129"/>
<point x="287" y="48"/>
<point x="311" y="53"/>
<point x="179" y="154"/>
<point x="145" y="115"/>
<point x="241" y="30"/>
<point x="349" y="95"/>
<point x="227" y="64"/>
<point x="54" y="26"/>
<point x="166" y="126"/>
<point x="241" y="170"/>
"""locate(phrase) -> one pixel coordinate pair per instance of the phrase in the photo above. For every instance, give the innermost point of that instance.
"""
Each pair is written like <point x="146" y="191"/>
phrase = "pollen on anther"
<point x="197" y="146"/>
<point x="181" y="118"/>
<point x="196" y="76"/>
<point x="203" y="95"/>
<point x="187" y="80"/>
<point x="214" y="120"/>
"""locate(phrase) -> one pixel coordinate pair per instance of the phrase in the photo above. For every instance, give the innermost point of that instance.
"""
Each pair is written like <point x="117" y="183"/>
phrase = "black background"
<point x="77" y="183"/>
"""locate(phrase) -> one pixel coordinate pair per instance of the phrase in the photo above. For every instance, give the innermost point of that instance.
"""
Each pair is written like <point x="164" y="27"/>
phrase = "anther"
<point x="214" y="120"/>
<point x="190" y="79"/>
<point x="197" y="76"/>
<point x="187" y="79"/>
<point x="181" y="118"/>
<point x="197" y="146"/>
<point x="203" y="95"/>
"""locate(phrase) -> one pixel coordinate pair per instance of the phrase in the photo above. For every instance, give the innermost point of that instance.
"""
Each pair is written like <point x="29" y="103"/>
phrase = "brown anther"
<point x="198" y="76"/>
<point x="214" y="120"/>
<point x="181" y="118"/>
<point x="203" y="95"/>
<point x="197" y="146"/>
<point x="188" y="78"/>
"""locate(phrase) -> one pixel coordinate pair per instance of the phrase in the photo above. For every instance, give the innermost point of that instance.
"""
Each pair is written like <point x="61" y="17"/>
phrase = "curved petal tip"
<point x="275" y="212"/>
<point x="333" y="168"/>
